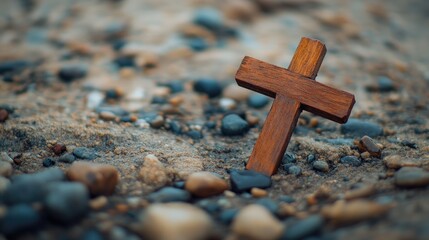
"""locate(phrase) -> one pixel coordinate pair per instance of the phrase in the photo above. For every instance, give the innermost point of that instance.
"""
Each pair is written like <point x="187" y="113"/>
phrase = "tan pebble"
<point x="153" y="173"/>
<point x="192" y="30"/>
<point x="178" y="221"/>
<point x="368" y="144"/>
<point x="98" y="202"/>
<point x="161" y="91"/>
<point x="286" y="210"/>
<point x="100" y="179"/>
<point x="251" y="119"/>
<point x="122" y="208"/>
<point x="186" y="165"/>
<point x="341" y="212"/>
<point x="392" y="161"/>
<point x="229" y="194"/>
<point x="127" y="73"/>
<point x="107" y="116"/>
<point x="236" y="92"/>
<point x="176" y="100"/>
<point x="313" y="122"/>
<point x="157" y="122"/>
<point x="241" y="10"/>
<point x="365" y="155"/>
<point x="256" y="222"/>
<point x="5" y="169"/>
<point x="425" y="149"/>
<point x="257" y="192"/>
<point x="361" y="192"/>
<point x="205" y="184"/>
<point x="147" y="60"/>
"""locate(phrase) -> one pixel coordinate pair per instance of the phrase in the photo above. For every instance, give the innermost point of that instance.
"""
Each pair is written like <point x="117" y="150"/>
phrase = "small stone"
<point x="205" y="184"/>
<point x="67" y="158"/>
<point x="176" y="101"/>
<point x="244" y="180"/>
<point x="98" y="202"/>
<point x="107" y="116"/>
<point x="179" y="221"/>
<point x="384" y="84"/>
<point x="170" y="194"/>
<point x="153" y="173"/>
<point x="13" y="66"/>
<point x="294" y="170"/>
<point x="351" y="160"/>
<point x="175" y="86"/>
<point x="236" y="92"/>
<point x="124" y="62"/>
<point x="59" y="148"/>
<point x="304" y="228"/>
<point x="70" y="73"/>
<point x="20" y="218"/>
<point x="4" y="115"/>
<point x="67" y="202"/>
<point x="175" y="127"/>
<point x="410" y="177"/>
<point x="286" y="199"/>
<point x="321" y="166"/>
<point x="233" y="125"/>
<point x="241" y="10"/>
<point x="157" y="122"/>
<point x="289" y="157"/>
<point x="311" y="158"/>
<point x="100" y="179"/>
<point x="85" y="153"/>
<point x="228" y="215"/>
<point x="4" y="184"/>
<point x="256" y="222"/>
<point x="269" y="204"/>
<point x="362" y="192"/>
<point x="210" y="87"/>
<point x="342" y="213"/>
<point x="227" y="103"/>
<point x="94" y="99"/>
<point x="257" y="100"/>
<point x="251" y="119"/>
<point x="258" y="192"/>
<point x="209" y="18"/>
<point x="48" y="162"/>
<point x="369" y="145"/>
<point x="5" y="169"/>
<point x="358" y="128"/>
<point x="194" y="134"/>
<point x="197" y="44"/>
<point x="5" y="157"/>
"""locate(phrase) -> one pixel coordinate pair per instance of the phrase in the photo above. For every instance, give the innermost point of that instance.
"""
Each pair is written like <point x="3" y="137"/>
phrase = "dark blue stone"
<point x="311" y="158"/>
<point x="385" y="84"/>
<point x="67" y="158"/>
<point x="175" y="127"/>
<point x="179" y="184"/>
<point x="244" y="180"/>
<point x="209" y="206"/>
<point x="289" y="157"/>
<point x="69" y="74"/>
<point x="303" y="228"/>
<point x="197" y="44"/>
<point x="286" y="199"/>
<point x="194" y="134"/>
<point x="124" y="61"/>
<point x="358" y="128"/>
<point x="233" y="125"/>
<point x="159" y="100"/>
<point x="294" y="170"/>
<point x="92" y="234"/>
<point x="269" y="204"/>
<point x="257" y="100"/>
<point x="210" y="125"/>
<point x="175" y="86"/>
<point x="20" y="218"/>
<point x="170" y="194"/>
<point x="210" y="87"/>
<point x="48" y="162"/>
<point x="13" y="66"/>
<point x="209" y="18"/>
<point x="112" y="94"/>
<point x="85" y="153"/>
<point x="226" y="216"/>
<point x="351" y="160"/>
<point x="118" y="44"/>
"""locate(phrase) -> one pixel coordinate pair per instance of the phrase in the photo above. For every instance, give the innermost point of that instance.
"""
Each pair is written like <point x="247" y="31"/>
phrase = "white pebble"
<point x="95" y="98"/>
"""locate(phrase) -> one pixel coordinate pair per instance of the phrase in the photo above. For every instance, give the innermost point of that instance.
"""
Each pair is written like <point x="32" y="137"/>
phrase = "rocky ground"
<point x="122" y="120"/>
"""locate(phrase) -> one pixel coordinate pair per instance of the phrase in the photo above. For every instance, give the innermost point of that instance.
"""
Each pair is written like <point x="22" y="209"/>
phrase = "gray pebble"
<point x="304" y="228"/>
<point x="321" y="166"/>
<point x="411" y="177"/>
<point x="351" y="160"/>
<point x="85" y="153"/>
<point x="67" y="158"/>
<point x="233" y="125"/>
<point x="359" y="128"/>
<point x="170" y="194"/>
<point x="20" y="218"/>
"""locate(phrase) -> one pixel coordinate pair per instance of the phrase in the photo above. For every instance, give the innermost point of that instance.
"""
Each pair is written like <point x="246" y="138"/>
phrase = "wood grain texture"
<point x="317" y="98"/>
<point x="275" y="135"/>
<point x="293" y="90"/>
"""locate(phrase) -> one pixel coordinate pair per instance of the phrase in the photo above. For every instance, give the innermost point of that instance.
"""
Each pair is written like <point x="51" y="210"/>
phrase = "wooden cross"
<point x="294" y="90"/>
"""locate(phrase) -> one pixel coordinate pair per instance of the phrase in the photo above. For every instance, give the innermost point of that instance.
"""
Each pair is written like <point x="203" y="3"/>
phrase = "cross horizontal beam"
<point x="315" y="97"/>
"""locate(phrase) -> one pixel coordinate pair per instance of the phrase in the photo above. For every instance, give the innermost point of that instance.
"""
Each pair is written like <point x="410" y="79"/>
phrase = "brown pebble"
<point x="205" y="184"/>
<point x="176" y="100"/>
<point x="313" y="122"/>
<point x="98" y="203"/>
<point x="59" y="148"/>
<point x="107" y="116"/>
<point x="257" y="192"/>
<point x="361" y="192"/>
<point x="100" y="179"/>
<point x="396" y="162"/>
<point x="153" y="173"/>
<point x="342" y="213"/>
<point x="368" y="144"/>
<point x="286" y="210"/>
<point x="3" y="115"/>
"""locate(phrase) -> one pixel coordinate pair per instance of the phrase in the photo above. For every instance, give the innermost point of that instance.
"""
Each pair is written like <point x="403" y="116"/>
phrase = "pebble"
<point x="100" y="179"/>
<point x="245" y="180"/>
<point x="321" y="166"/>
<point x="48" y="162"/>
<point x="227" y="103"/>
<point x="207" y="86"/>
<point x="4" y="184"/>
<point x="107" y="116"/>
<point x="342" y="213"/>
<point x="233" y="125"/>
<point x="228" y="215"/>
<point x="98" y="202"/>
<point x="69" y="74"/>
<point x="118" y="111"/>
<point x="178" y="221"/>
<point x="4" y="115"/>
<point x="5" y="169"/>
<point x="5" y="157"/>
<point x="351" y="160"/>
<point x="67" y="202"/>
<point x="209" y="18"/>
<point x="170" y="194"/>
<point x="289" y="157"/>
<point x="286" y="199"/>
<point x="257" y="100"/>
<point x="384" y="84"/>
<point x="205" y="184"/>
<point x="409" y="177"/>
<point x="256" y="222"/>
<point x="59" y="148"/>
<point x="258" y="192"/>
<point x="156" y="122"/>
<point x="311" y="158"/>
<point x="361" y="192"/>
<point x="359" y="128"/>
<point x="367" y="144"/>
<point x="235" y="92"/>
<point x="194" y="134"/>
<point x="197" y="44"/>
<point x="13" y="66"/>
<point x="175" y="127"/>
<point x="124" y="62"/>
<point x="94" y="99"/>
<point x="304" y="228"/>
<point x="294" y="170"/>
<point x="269" y="204"/>
<point x="175" y="86"/>
<point x="67" y="158"/>
<point x="153" y="173"/>
<point x="85" y="153"/>
<point x="20" y="218"/>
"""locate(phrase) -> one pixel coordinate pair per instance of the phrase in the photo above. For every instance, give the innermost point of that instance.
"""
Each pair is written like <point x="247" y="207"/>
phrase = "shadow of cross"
<point x="294" y="90"/>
